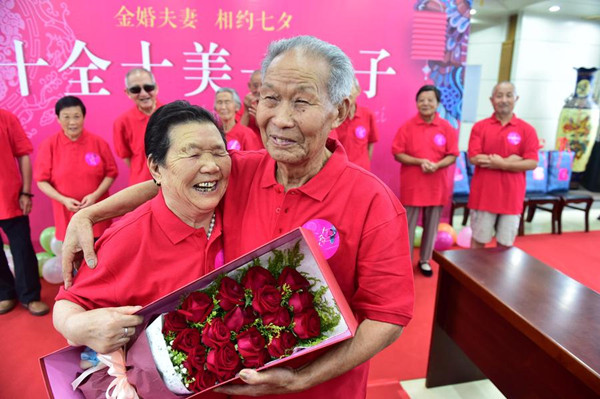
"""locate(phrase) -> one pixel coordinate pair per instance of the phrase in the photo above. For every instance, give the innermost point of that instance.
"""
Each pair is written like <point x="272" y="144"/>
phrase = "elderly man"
<point x="304" y="179"/>
<point x="358" y="133"/>
<point x="239" y="137"/>
<point x="15" y="206"/>
<point x="129" y="128"/>
<point x="502" y="147"/>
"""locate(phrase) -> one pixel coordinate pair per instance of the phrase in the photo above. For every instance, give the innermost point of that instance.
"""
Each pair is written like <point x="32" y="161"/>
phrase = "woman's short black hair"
<point x="432" y="88"/>
<point x="69" y="101"/>
<point x="165" y="118"/>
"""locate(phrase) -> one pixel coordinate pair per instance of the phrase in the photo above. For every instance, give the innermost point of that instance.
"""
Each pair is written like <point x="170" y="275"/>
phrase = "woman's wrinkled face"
<point x="196" y="171"/>
<point x="427" y="104"/>
<point x="71" y="120"/>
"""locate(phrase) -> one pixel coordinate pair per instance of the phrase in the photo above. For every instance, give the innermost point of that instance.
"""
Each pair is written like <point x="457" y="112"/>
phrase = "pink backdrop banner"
<point x="57" y="47"/>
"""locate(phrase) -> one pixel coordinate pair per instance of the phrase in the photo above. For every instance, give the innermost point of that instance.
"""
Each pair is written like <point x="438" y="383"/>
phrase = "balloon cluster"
<point x="446" y="237"/>
<point x="49" y="262"/>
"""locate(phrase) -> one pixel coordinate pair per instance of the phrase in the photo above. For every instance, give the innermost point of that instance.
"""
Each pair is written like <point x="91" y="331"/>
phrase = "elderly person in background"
<point x="425" y="145"/>
<point x="129" y="128"/>
<point x="239" y="137"/>
<point x="248" y="114"/>
<point x="502" y="147"/>
<point x="161" y="246"/>
<point x="306" y="180"/>
<point x="74" y="167"/>
<point x="15" y="207"/>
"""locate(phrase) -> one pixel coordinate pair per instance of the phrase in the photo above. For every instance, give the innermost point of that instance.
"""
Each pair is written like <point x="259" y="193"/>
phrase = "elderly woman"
<point x="74" y="167"/>
<point x="425" y="145"/>
<point x="161" y="246"/>
<point x="239" y="137"/>
<point x="305" y="180"/>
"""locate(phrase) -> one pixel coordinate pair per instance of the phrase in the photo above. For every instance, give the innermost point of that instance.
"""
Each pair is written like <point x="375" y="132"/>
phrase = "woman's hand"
<point x="71" y="204"/>
<point x="104" y="330"/>
<point x="88" y="200"/>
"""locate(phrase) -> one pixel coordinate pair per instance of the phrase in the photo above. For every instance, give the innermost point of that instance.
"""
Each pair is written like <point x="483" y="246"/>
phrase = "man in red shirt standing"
<point x="358" y="133"/>
<point x="130" y="127"/>
<point x="15" y="206"/>
<point x="502" y="147"/>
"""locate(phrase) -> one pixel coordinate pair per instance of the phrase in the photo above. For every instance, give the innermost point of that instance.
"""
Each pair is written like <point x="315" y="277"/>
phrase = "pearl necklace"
<point x="211" y="226"/>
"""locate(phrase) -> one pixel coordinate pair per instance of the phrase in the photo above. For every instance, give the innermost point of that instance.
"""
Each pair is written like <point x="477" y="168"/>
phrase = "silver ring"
<point x="125" y="332"/>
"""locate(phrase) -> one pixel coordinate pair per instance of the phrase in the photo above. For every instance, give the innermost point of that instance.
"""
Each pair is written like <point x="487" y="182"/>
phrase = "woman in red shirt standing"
<point x="425" y="145"/>
<point x="74" y="167"/>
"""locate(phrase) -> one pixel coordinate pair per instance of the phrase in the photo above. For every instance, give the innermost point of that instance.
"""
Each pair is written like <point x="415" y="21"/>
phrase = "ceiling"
<point x="492" y="10"/>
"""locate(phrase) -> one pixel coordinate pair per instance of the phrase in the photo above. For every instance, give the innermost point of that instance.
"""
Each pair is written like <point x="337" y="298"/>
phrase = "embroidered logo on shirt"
<point x="326" y="235"/>
<point x="219" y="259"/>
<point x="513" y="138"/>
<point x="439" y="139"/>
<point x="234" y="145"/>
<point x="92" y="159"/>
<point x="360" y="132"/>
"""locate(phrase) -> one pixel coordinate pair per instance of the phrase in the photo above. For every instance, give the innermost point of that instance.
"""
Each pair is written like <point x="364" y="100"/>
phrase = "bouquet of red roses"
<point x="247" y="318"/>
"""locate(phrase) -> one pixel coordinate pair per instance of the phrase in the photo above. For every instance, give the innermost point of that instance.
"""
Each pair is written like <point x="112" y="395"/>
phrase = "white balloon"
<point x="52" y="271"/>
<point x="56" y="246"/>
<point x="464" y="237"/>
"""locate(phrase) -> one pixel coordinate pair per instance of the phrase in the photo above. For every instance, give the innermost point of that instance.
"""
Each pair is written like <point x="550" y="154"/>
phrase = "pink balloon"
<point x="464" y="237"/>
<point x="443" y="241"/>
<point x="52" y="271"/>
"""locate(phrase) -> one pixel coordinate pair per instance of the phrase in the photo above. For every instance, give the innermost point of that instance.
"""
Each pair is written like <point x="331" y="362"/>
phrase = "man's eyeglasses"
<point x="138" y="89"/>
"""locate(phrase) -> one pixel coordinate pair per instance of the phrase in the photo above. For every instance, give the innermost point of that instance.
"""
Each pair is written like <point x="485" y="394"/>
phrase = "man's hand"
<point x="277" y="380"/>
<point x="250" y="103"/>
<point x="25" y="204"/>
<point x="77" y="246"/>
<point x="497" y="162"/>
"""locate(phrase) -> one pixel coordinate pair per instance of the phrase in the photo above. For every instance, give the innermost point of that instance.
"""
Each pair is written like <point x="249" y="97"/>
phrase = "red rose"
<point x="293" y="278"/>
<point x="196" y="359"/>
<point x="266" y="300"/>
<point x="308" y="324"/>
<point x="250" y="342"/>
<point x="187" y="340"/>
<point x="203" y="379"/>
<point x="301" y="301"/>
<point x="230" y="294"/>
<point x="238" y="318"/>
<point x="224" y="362"/>
<point x="257" y="277"/>
<point x="257" y="360"/>
<point x="174" y="321"/>
<point x="196" y="307"/>
<point x="281" y="318"/>
<point x="282" y="344"/>
<point x="215" y="334"/>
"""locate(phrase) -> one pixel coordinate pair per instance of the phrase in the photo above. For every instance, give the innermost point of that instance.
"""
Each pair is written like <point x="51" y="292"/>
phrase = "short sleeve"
<point x="42" y="168"/>
<point x="531" y="147"/>
<point x="20" y="143"/>
<point x="399" y="142"/>
<point x="385" y="278"/>
<point x="475" y="141"/>
<point x="110" y="165"/>
<point x="121" y="138"/>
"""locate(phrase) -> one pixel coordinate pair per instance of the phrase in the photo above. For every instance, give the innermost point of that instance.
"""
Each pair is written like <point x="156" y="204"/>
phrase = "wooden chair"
<point x="460" y="201"/>
<point x="572" y="201"/>
<point x="545" y="202"/>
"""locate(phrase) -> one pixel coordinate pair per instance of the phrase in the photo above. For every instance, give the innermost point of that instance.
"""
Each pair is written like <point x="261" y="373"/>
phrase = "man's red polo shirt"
<point x="356" y="134"/>
<point x="494" y="190"/>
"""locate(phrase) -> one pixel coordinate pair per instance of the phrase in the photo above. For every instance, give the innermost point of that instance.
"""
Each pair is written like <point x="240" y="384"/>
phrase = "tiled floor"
<point x="572" y="220"/>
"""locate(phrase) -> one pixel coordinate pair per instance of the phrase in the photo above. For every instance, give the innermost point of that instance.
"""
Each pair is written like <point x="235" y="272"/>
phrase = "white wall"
<point x="485" y="47"/>
<point x="547" y="48"/>
<point x="546" y="51"/>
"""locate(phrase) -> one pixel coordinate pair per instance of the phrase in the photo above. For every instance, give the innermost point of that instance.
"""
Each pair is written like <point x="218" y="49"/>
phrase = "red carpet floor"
<point x="25" y="338"/>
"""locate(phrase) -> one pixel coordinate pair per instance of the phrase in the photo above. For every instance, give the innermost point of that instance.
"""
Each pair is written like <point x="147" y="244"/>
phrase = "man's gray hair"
<point x="341" y="72"/>
<point x="502" y="83"/>
<point x="137" y="70"/>
<point x="236" y="97"/>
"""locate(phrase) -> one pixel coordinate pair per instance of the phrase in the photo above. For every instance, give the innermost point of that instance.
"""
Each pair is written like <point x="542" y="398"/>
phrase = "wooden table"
<point x="504" y="315"/>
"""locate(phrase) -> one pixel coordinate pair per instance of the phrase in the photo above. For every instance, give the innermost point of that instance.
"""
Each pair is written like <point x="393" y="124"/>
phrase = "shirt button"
<point x="286" y="210"/>
<point x="280" y="230"/>
<point x="277" y="210"/>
